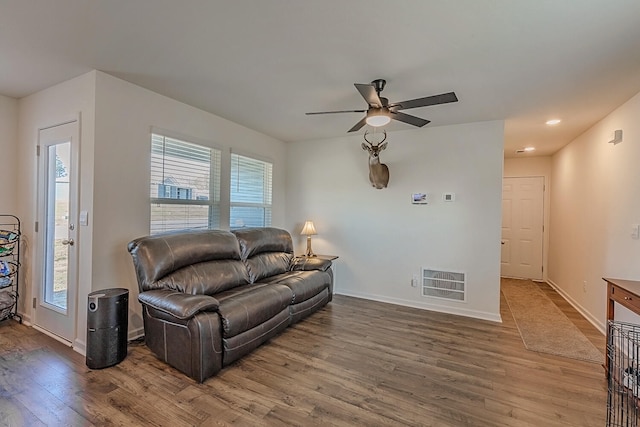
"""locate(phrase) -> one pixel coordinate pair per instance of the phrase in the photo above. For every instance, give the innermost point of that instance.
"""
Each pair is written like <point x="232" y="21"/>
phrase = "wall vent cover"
<point x="448" y="285"/>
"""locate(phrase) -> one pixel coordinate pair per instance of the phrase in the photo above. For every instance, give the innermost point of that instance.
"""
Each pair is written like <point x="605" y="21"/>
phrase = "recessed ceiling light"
<point x="525" y="150"/>
<point x="553" y="122"/>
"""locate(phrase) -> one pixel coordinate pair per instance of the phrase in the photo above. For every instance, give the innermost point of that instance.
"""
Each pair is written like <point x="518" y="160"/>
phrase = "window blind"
<point x="251" y="192"/>
<point x="185" y="185"/>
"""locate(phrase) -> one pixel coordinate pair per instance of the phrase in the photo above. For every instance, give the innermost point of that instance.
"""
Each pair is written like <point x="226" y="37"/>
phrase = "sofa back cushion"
<point x="265" y="251"/>
<point x="193" y="262"/>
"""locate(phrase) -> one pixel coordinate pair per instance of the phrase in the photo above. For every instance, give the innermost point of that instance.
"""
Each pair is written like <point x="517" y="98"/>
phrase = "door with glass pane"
<point x="55" y="301"/>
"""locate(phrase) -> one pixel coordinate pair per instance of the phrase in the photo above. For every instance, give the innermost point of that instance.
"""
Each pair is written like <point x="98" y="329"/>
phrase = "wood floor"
<point x="354" y="363"/>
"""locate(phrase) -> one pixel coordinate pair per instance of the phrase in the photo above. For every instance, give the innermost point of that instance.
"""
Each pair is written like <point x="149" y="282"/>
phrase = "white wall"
<point x="381" y="238"/>
<point x="8" y="153"/>
<point x="529" y="167"/>
<point x="125" y="114"/>
<point x="595" y="198"/>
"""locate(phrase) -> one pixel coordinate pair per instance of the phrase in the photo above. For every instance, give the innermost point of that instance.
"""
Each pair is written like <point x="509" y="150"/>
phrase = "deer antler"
<point x="370" y="143"/>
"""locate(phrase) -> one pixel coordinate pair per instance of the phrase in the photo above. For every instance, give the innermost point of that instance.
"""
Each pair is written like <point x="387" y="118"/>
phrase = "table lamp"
<point x="309" y="230"/>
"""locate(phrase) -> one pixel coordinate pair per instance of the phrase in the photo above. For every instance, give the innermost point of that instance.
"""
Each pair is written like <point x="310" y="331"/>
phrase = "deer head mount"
<point x="378" y="172"/>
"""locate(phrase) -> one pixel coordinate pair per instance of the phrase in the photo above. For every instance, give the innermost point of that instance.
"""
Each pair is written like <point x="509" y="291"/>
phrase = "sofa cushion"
<point x="245" y="307"/>
<point x="254" y="241"/>
<point x="207" y="278"/>
<point x="266" y="265"/>
<point x="303" y="284"/>
<point x="265" y="251"/>
<point x="157" y="256"/>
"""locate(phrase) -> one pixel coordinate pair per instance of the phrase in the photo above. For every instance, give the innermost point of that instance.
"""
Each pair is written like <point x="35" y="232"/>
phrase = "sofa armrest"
<point x="310" y="263"/>
<point x="180" y="305"/>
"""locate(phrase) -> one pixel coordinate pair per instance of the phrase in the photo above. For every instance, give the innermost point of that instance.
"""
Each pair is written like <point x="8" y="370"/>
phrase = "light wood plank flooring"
<point x="354" y="363"/>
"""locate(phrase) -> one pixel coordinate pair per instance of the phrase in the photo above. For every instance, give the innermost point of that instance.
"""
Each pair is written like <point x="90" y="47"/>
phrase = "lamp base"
<point x="309" y="253"/>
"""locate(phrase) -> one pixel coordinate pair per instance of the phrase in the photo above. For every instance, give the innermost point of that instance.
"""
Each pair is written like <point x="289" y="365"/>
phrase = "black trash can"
<point x="107" y="325"/>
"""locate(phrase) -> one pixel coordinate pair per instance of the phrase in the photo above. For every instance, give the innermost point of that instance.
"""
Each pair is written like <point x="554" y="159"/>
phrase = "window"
<point x="250" y="192"/>
<point x="185" y="185"/>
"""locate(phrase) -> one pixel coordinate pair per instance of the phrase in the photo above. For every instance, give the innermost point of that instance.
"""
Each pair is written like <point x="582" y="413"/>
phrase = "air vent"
<point x="444" y="285"/>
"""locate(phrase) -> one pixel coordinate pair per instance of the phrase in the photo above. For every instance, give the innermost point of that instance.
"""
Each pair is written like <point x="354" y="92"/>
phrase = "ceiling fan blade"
<point x="406" y="118"/>
<point x="334" y="112"/>
<point x="369" y="94"/>
<point x="359" y="125"/>
<point x="443" y="98"/>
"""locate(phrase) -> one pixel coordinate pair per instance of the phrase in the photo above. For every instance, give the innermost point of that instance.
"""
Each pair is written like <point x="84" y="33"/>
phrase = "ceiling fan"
<point x="380" y="111"/>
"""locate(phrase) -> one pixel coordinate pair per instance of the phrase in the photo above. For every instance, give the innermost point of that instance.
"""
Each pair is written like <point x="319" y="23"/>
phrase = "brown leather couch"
<point x="210" y="296"/>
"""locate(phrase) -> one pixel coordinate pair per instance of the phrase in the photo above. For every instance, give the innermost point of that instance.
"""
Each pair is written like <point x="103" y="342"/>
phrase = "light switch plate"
<point x="84" y="218"/>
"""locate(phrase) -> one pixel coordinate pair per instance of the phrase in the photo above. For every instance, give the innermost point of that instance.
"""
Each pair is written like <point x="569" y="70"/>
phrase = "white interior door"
<point x="522" y="227"/>
<point x="55" y="303"/>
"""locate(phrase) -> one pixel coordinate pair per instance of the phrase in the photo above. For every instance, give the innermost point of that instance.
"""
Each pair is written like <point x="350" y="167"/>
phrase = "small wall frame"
<point x="419" y="198"/>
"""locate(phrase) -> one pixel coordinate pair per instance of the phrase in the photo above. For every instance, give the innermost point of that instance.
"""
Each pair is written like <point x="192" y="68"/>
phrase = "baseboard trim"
<point x="134" y="334"/>
<point x="482" y="315"/>
<point x="26" y="320"/>
<point x="80" y="346"/>
<point x="579" y="308"/>
<point x="52" y="335"/>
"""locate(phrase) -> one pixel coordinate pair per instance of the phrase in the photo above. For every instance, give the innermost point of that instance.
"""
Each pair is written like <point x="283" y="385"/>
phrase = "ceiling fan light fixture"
<point x="380" y="112"/>
<point x="377" y="117"/>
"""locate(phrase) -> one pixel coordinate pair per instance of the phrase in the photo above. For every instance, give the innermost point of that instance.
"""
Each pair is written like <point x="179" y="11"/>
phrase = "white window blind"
<point x="185" y="185"/>
<point x="251" y="192"/>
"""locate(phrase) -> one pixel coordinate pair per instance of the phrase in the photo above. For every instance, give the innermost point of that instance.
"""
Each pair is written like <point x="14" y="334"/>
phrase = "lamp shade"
<point x="308" y="229"/>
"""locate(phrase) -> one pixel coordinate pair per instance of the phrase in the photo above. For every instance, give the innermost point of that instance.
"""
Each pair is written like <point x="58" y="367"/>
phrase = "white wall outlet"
<point x="584" y="286"/>
<point x="415" y="281"/>
<point x="635" y="231"/>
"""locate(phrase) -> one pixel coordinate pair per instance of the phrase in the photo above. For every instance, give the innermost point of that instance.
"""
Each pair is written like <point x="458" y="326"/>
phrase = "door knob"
<point x="69" y="242"/>
<point x="502" y="243"/>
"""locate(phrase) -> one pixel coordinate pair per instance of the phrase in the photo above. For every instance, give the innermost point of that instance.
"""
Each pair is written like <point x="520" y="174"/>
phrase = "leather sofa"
<point x="210" y="297"/>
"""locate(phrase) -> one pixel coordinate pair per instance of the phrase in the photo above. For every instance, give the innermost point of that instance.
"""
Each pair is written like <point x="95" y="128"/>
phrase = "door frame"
<point x="40" y="236"/>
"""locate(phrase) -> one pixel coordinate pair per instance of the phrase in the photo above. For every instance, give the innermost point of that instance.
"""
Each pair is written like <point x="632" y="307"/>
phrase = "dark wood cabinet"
<point x="627" y="294"/>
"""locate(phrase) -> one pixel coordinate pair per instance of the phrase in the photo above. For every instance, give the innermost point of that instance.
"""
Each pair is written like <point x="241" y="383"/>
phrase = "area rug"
<point x="544" y="328"/>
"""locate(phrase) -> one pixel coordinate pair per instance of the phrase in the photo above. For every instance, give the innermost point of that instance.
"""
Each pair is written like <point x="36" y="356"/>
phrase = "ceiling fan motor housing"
<point x="379" y="85"/>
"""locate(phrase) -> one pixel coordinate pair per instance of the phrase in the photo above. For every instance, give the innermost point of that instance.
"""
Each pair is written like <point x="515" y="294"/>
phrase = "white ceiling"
<point x="263" y="64"/>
